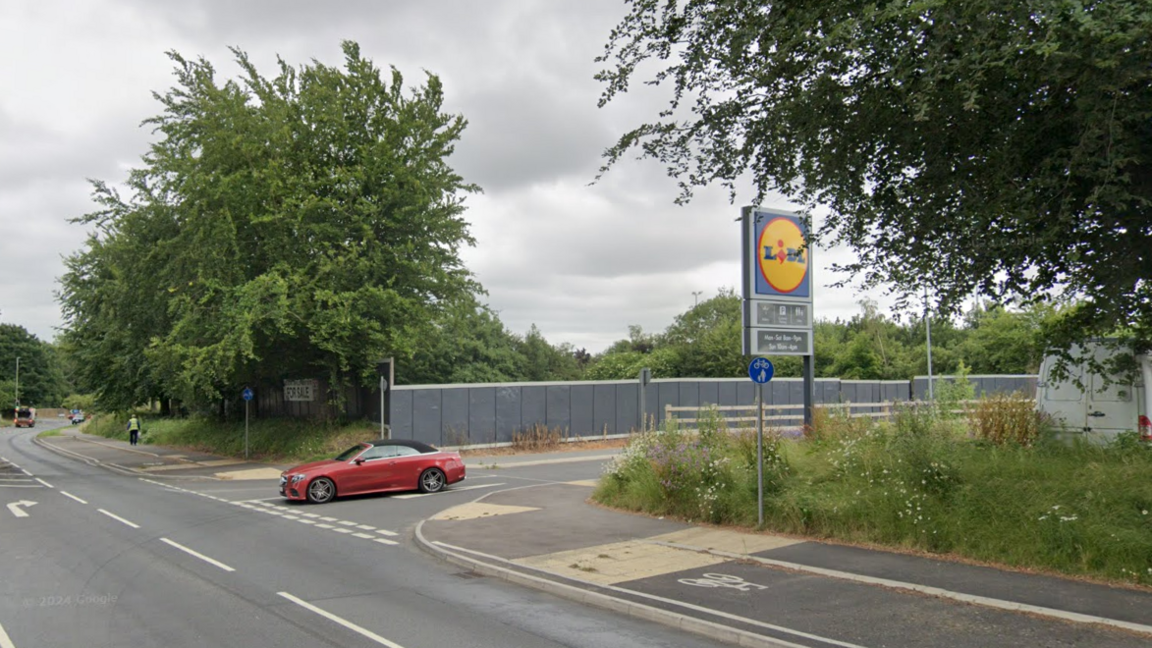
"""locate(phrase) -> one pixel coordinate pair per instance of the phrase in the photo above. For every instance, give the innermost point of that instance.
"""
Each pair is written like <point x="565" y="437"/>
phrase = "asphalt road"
<point x="93" y="558"/>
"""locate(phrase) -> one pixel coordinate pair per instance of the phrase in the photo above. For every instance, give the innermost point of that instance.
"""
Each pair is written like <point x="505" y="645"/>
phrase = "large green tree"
<point x="302" y="225"/>
<point x="980" y="146"/>
<point x="40" y="381"/>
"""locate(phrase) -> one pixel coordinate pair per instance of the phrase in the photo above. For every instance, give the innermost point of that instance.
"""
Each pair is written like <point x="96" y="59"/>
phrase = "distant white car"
<point x="77" y="417"/>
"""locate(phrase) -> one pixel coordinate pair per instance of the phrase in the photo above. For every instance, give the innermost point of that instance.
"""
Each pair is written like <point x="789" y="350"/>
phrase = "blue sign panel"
<point x="247" y="394"/>
<point x="761" y="370"/>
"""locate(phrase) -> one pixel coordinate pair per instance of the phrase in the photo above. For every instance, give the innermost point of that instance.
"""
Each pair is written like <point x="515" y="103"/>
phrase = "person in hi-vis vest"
<point x="134" y="430"/>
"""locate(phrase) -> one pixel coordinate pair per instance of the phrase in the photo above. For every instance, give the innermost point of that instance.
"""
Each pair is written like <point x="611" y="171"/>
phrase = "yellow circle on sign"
<point x="782" y="255"/>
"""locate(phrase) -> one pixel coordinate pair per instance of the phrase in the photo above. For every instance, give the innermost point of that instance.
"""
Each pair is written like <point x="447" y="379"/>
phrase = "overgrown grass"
<point x="537" y="437"/>
<point x="922" y="482"/>
<point x="282" y="440"/>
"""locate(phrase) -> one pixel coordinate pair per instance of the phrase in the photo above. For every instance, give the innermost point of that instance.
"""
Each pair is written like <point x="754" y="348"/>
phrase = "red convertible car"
<point x="374" y="467"/>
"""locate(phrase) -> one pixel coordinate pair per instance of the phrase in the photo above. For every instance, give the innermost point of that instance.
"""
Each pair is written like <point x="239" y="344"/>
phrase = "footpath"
<point x="749" y="589"/>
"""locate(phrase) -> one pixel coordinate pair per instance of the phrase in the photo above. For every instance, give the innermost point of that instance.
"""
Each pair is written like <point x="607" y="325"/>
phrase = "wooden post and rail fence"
<point x="883" y="410"/>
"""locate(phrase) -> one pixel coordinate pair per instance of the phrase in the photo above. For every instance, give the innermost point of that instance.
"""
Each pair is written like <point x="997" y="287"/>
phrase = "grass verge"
<point x="275" y="441"/>
<point x="919" y="483"/>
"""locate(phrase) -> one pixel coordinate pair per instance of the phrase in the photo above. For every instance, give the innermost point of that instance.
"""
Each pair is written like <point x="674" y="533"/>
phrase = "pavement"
<point x="747" y="588"/>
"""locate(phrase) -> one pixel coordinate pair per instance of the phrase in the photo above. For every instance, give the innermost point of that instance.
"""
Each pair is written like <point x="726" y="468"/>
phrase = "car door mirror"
<point x="357" y="461"/>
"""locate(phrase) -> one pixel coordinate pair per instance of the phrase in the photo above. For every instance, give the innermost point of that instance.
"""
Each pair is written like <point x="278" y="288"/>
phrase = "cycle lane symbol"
<point x="723" y="580"/>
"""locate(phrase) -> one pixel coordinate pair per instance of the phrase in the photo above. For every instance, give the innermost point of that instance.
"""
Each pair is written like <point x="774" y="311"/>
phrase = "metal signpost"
<point x="777" y="263"/>
<point x="247" y="395"/>
<point x="760" y="371"/>
<point x="387" y="370"/>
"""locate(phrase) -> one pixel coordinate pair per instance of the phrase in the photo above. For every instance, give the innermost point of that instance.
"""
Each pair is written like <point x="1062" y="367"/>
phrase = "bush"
<point x="1003" y="419"/>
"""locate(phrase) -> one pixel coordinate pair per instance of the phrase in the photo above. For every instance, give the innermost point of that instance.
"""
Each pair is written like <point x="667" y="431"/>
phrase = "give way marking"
<point x="15" y="507"/>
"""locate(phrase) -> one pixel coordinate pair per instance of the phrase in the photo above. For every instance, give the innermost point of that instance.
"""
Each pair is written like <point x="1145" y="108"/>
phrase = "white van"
<point x="1097" y="411"/>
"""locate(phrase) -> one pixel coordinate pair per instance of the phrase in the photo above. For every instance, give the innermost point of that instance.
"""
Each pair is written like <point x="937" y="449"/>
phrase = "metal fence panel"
<point x="401" y="412"/>
<point x="627" y="408"/>
<point x="482" y="415"/>
<point x="507" y="413"/>
<point x="427" y="422"/>
<point x="690" y="394"/>
<point x="559" y="404"/>
<point x="709" y="392"/>
<point x="455" y="404"/>
<point x="533" y="407"/>
<point x="583" y="410"/>
<point x="604" y="408"/>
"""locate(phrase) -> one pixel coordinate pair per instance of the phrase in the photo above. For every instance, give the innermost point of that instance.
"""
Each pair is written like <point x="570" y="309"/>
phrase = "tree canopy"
<point x="41" y="381"/>
<point x="997" y="148"/>
<point x="302" y="225"/>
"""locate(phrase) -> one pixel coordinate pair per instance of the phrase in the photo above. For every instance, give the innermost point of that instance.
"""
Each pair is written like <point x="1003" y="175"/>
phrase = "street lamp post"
<point x="17" y="381"/>
<point x="696" y="297"/>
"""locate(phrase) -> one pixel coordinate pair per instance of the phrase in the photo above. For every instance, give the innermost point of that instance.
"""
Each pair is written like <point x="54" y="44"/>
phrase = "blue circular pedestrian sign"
<point x="247" y="394"/>
<point x="760" y="370"/>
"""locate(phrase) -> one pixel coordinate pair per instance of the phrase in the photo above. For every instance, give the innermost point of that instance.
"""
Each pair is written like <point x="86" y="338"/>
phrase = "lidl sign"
<point x="781" y="263"/>
<point x="777" y="264"/>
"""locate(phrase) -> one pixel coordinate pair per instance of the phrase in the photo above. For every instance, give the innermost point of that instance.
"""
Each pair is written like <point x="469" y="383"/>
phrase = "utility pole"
<point x="928" y="330"/>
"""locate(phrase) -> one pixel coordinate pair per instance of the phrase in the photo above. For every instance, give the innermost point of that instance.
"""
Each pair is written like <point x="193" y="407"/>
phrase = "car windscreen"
<point x="23" y="413"/>
<point x="349" y="453"/>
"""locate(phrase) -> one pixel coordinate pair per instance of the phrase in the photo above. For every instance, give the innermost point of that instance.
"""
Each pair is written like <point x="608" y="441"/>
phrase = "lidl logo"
<point x="782" y="256"/>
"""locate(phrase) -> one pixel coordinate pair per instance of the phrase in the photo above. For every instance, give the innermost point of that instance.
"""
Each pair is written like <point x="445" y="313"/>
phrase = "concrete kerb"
<point x="619" y="605"/>
<point x="123" y="470"/>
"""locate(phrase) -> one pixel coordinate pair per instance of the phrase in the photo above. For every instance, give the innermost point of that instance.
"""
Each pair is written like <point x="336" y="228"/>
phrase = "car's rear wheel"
<point x="432" y="480"/>
<point x="321" y="490"/>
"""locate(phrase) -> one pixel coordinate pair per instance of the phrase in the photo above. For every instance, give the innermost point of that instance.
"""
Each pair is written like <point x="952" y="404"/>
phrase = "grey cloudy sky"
<point x="581" y="262"/>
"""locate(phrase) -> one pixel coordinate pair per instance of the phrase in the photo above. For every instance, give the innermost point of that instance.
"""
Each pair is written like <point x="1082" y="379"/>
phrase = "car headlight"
<point x="296" y="479"/>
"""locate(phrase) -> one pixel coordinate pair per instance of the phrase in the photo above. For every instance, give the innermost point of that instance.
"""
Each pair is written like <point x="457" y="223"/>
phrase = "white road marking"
<point x="342" y="530"/>
<point x="201" y="556"/>
<point x="325" y="526"/>
<point x="291" y="517"/>
<point x="328" y="519"/>
<point x="365" y="527"/>
<point x="306" y="521"/>
<point x="119" y="519"/>
<point x="347" y="523"/>
<point x="14" y="507"/>
<point x="363" y="535"/>
<point x="25" y="472"/>
<point x="335" y="619"/>
<point x="385" y="541"/>
<point x="448" y="490"/>
<point x="387" y="533"/>
<point x="5" y="641"/>
<point x="21" y="486"/>
<point x="45" y="483"/>
<point x="67" y="494"/>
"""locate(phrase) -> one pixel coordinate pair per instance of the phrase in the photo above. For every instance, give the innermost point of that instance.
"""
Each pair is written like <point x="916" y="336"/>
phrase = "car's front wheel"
<point x="432" y="480"/>
<point x="321" y="490"/>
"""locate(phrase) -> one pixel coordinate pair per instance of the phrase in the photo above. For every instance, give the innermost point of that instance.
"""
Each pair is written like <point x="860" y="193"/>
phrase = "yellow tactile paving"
<point x="621" y="561"/>
<point x="252" y="473"/>
<point x="728" y="541"/>
<point x="479" y="510"/>
<point x="221" y="462"/>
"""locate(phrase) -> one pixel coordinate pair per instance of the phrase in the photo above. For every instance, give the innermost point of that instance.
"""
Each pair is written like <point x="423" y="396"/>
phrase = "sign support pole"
<point x="381" y="408"/>
<point x="760" y="453"/>
<point x="246" y="401"/>
<point x="809" y="387"/>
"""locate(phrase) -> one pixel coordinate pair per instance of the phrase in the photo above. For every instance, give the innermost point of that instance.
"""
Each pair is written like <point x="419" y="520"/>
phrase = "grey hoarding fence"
<point x="493" y="413"/>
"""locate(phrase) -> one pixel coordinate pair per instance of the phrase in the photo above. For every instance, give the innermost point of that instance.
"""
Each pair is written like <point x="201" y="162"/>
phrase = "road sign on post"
<point x="760" y="370"/>
<point x="247" y="396"/>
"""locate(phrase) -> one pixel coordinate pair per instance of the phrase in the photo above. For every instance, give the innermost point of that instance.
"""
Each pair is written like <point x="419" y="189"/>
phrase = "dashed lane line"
<point x="190" y="552"/>
<point x="119" y="519"/>
<point x="335" y="619"/>
<point x="70" y="495"/>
